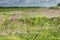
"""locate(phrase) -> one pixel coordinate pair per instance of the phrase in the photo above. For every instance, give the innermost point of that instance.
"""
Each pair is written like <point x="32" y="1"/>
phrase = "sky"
<point x="28" y="3"/>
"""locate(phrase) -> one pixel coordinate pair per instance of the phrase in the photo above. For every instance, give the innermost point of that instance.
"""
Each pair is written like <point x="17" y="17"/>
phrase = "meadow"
<point x="25" y="24"/>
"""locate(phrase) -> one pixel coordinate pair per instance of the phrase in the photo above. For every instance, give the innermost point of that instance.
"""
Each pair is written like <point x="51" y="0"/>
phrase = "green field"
<point x="17" y="9"/>
<point x="25" y="26"/>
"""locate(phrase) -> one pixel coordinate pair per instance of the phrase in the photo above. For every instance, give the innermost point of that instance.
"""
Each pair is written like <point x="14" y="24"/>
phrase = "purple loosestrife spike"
<point x="0" y="19"/>
<point x="13" y="18"/>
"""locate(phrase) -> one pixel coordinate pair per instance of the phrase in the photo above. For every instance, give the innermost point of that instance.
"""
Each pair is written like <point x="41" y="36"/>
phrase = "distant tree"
<point x="59" y="4"/>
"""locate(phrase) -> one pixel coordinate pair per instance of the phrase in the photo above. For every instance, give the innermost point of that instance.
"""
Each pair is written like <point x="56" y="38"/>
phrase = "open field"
<point x="29" y="24"/>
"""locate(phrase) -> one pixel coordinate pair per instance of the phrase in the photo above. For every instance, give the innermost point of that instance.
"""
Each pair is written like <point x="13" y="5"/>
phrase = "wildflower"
<point x="0" y="19"/>
<point x="13" y="18"/>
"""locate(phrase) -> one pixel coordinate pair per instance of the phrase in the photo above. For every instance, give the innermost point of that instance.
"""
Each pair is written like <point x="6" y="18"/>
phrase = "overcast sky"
<point x="28" y="3"/>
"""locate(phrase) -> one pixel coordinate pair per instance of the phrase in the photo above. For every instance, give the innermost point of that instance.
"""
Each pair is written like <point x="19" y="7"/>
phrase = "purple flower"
<point x="1" y="19"/>
<point x="13" y="18"/>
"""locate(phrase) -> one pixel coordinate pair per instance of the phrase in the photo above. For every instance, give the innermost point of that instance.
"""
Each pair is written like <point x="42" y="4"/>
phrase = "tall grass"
<point x="29" y="28"/>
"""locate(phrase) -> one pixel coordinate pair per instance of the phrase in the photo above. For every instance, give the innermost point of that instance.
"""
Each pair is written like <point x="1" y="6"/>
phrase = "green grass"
<point x="36" y="27"/>
<point x="7" y="9"/>
<point x="33" y="28"/>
